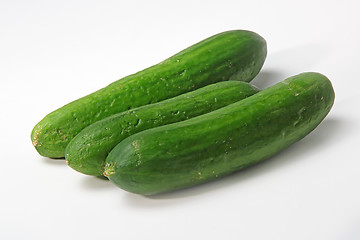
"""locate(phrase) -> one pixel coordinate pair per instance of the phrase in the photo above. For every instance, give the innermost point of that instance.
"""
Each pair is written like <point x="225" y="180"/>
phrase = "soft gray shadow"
<point x="267" y="78"/>
<point x="54" y="161"/>
<point x="282" y="64"/>
<point x="300" y="58"/>
<point x="96" y="183"/>
<point x="325" y="133"/>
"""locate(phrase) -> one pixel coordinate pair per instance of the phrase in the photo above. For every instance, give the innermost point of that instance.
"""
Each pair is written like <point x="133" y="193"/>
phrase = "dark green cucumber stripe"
<point x="223" y="141"/>
<point x="88" y="150"/>
<point x="234" y="55"/>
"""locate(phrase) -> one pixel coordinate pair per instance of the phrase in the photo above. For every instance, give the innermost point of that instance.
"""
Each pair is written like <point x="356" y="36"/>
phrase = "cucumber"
<point x="223" y="141"/>
<point x="87" y="151"/>
<point x="232" y="55"/>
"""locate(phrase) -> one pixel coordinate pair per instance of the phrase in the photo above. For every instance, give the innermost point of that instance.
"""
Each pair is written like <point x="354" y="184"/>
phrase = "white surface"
<point x="53" y="52"/>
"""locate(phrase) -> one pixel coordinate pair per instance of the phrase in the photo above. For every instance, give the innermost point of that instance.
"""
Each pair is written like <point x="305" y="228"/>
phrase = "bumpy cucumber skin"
<point x="87" y="151"/>
<point x="232" y="55"/>
<point x="223" y="141"/>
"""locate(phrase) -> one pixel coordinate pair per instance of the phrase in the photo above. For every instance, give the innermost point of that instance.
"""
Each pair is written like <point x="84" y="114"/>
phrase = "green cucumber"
<point x="232" y="55"/>
<point x="226" y="140"/>
<point x="87" y="151"/>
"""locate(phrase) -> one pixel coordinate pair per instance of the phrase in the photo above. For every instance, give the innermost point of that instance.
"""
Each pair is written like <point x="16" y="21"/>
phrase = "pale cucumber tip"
<point x="35" y="133"/>
<point x="109" y="169"/>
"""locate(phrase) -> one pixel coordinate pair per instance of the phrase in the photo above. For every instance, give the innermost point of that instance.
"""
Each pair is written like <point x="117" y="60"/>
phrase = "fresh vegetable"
<point x="88" y="150"/>
<point x="232" y="55"/>
<point x="223" y="141"/>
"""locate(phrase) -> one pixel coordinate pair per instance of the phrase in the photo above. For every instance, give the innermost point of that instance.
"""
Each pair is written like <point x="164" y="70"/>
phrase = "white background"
<point x="53" y="52"/>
